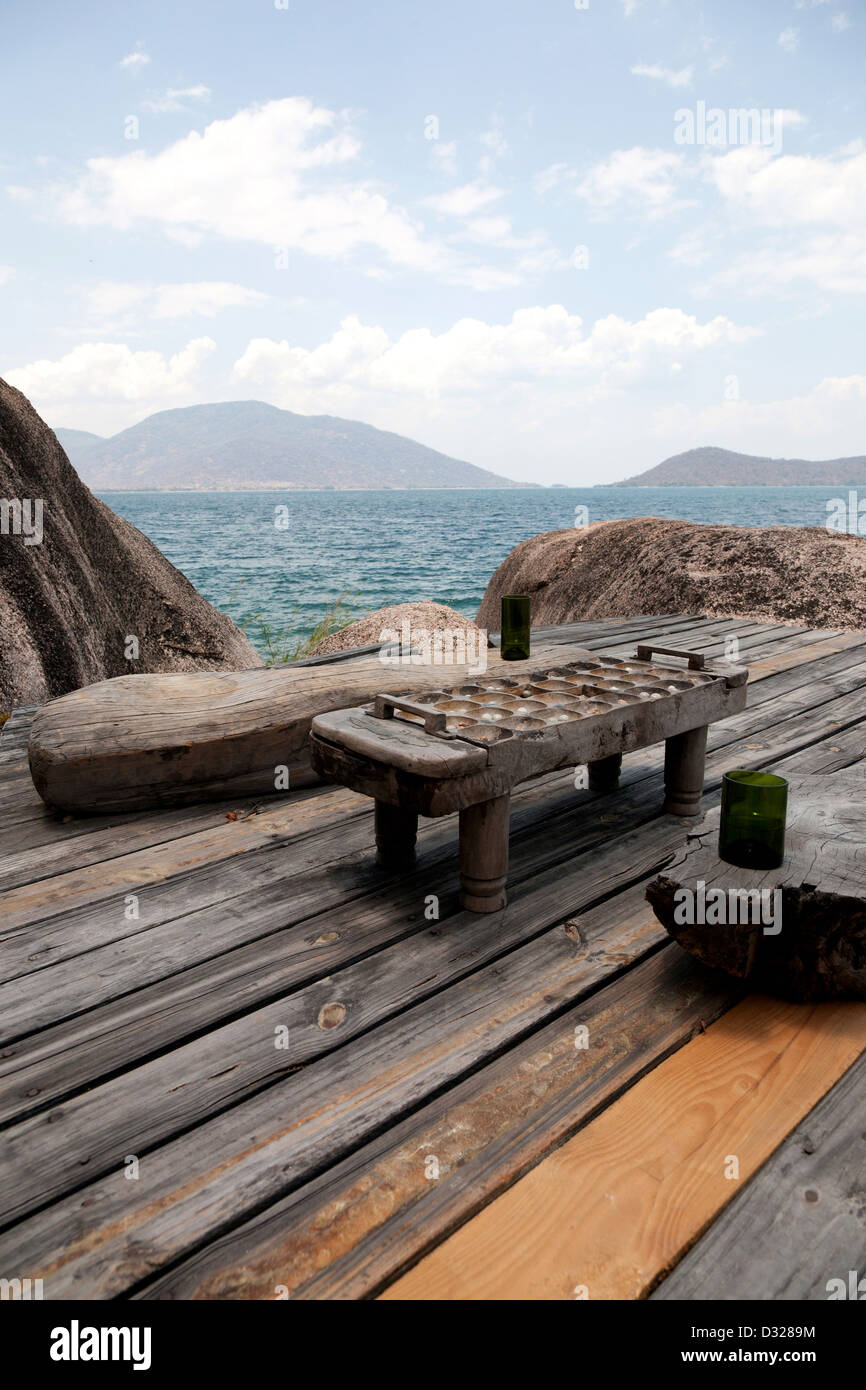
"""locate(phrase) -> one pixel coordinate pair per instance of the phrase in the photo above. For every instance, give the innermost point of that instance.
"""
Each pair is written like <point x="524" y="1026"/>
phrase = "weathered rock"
<point x="425" y="616"/>
<point x="615" y="569"/>
<point x="69" y="603"/>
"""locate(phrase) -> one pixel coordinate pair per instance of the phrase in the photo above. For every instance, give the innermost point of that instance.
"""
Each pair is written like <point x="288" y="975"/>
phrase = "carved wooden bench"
<point x="463" y="748"/>
<point x="145" y="741"/>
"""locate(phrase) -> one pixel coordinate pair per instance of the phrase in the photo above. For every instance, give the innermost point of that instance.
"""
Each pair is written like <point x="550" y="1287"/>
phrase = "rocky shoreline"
<point x="90" y="597"/>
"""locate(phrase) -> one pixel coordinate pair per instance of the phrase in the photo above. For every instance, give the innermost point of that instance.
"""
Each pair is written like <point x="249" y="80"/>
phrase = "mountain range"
<point x="709" y="466"/>
<point x="237" y="445"/>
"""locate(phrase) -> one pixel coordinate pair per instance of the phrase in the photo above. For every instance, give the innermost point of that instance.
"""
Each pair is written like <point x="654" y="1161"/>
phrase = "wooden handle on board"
<point x="385" y="705"/>
<point x="695" y="659"/>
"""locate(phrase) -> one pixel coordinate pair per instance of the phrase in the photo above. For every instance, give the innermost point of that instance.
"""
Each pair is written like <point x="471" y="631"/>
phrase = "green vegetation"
<point x="280" y="645"/>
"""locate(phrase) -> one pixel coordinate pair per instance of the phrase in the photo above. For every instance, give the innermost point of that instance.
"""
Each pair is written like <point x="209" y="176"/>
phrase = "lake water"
<point x="393" y="547"/>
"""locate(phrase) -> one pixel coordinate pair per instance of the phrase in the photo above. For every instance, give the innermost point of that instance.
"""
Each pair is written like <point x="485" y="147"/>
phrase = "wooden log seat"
<point x="798" y="931"/>
<point x="144" y="741"/>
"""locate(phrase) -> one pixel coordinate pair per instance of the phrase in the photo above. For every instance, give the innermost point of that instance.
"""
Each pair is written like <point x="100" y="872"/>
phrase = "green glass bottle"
<point x="514" y="645"/>
<point x="752" y="826"/>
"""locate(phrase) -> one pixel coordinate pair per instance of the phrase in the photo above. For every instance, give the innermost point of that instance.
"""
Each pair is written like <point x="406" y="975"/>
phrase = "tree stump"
<point x="809" y="943"/>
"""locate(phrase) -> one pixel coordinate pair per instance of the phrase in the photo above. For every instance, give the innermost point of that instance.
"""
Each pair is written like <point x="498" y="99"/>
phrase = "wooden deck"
<point x="237" y="1060"/>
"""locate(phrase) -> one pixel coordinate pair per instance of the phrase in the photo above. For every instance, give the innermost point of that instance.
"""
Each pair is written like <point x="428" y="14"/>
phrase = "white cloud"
<point x="789" y="118"/>
<point x="512" y="396"/>
<point x="715" y="59"/>
<point x="825" y="421"/>
<point x="136" y="60"/>
<point x="111" y="301"/>
<point x="681" y="77"/>
<point x="177" y="98"/>
<point x="94" y="378"/>
<point x="505" y="395"/>
<point x="645" y="179"/>
<point x="795" y="189"/>
<point x="835" y="263"/>
<point x="486" y="278"/>
<point x="789" y="39"/>
<point x="544" y="345"/>
<point x="6" y="273"/>
<point x="533" y="253"/>
<point x="840" y="22"/>
<point x="800" y="221"/>
<point x="267" y="174"/>
<point x="814" y="206"/>
<point x="492" y="231"/>
<point x="277" y="175"/>
<point x="466" y="200"/>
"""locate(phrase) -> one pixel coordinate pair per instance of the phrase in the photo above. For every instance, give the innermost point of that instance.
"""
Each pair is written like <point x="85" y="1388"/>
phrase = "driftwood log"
<point x="816" y="947"/>
<point x="168" y="740"/>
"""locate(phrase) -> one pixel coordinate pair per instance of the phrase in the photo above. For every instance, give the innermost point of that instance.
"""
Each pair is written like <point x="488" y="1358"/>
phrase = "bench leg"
<point x="684" y="772"/>
<point x="604" y="773"/>
<point x="484" y="854"/>
<point x="395" y="836"/>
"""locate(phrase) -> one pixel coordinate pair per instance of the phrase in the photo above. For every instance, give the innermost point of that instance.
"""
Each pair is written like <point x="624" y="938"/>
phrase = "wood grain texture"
<point x="248" y="893"/>
<point x="616" y="1206"/>
<point x="140" y="1108"/>
<point x="402" y="763"/>
<point x="180" y="911"/>
<point x="346" y="1233"/>
<point x="136" y="742"/>
<point x="800" y="1222"/>
<point x="141" y="741"/>
<point x="100" y="1239"/>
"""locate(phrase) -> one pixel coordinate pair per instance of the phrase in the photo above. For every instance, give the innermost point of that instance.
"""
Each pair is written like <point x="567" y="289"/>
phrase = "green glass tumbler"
<point x="752" y="827"/>
<point x="514" y="645"/>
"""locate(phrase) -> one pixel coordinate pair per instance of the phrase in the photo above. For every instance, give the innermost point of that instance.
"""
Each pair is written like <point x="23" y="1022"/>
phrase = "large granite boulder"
<point x="77" y="582"/>
<point x="399" y="621"/>
<point x="614" y="569"/>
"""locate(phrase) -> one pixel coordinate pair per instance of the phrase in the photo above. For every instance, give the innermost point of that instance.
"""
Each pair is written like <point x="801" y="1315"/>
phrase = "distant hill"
<point x="709" y="466"/>
<point x="236" y="445"/>
<point x="76" y="441"/>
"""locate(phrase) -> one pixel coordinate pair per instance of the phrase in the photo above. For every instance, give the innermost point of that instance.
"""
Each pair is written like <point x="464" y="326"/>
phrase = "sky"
<point x="560" y="240"/>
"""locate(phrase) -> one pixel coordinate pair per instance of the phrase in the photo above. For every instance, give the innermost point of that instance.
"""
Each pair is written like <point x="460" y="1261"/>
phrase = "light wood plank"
<point x="616" y="1206"/>
<point x="800" y="1222"/>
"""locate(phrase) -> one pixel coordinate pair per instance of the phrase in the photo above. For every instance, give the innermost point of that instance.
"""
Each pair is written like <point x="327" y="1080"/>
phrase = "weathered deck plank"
<point x="193" y="932"/>
<point x="260" y="902"/>
<point x="136" y="1110"/>
<point x="349" y="1231"/>
<point x="155" y="1036"/>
